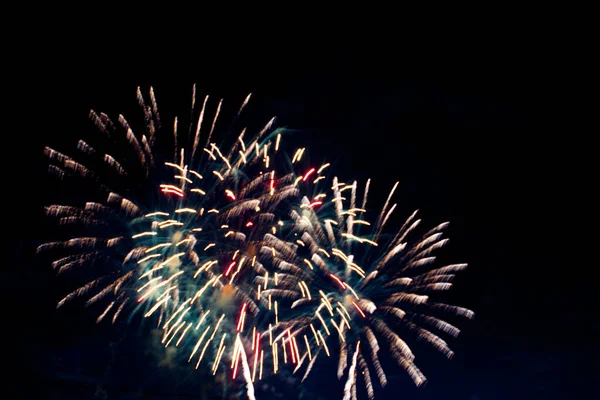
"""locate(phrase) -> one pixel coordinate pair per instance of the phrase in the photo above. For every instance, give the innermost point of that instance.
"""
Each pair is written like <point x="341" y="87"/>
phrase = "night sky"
<point x="468" y="125"/>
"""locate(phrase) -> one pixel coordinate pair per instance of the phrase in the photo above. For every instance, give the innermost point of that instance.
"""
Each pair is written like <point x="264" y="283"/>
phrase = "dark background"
<point x="470" y="123"/>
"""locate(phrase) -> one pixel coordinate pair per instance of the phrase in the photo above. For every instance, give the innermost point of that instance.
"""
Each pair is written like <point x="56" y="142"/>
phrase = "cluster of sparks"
<point x="252" y="259"/>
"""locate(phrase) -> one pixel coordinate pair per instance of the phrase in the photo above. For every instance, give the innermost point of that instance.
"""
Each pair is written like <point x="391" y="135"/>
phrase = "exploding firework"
<point x="245" y="254"/>
<point x="188" y="248"/>
<point x="366" y="288"/>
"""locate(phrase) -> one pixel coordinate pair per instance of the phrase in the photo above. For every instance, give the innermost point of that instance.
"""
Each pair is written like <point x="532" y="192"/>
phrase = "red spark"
<point x="166" y="190"/>
<point x="249" y="224"/>
<point x="315" y="203"/>
<point x="229" y="268"/>
<point x="342" y="284"/>
<point x="308" y="174"/>
<point x="291" y="347"/>
<point x="358" y="308"/>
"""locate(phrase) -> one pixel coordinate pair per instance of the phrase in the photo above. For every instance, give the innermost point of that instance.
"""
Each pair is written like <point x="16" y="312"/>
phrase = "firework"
<point x="188" y="250"/>
<point x="244" y="254"/>
<point x="366" y="289"/>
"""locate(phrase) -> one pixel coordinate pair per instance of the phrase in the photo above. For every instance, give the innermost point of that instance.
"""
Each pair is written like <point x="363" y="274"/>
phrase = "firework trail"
<point x="242" y="255"/>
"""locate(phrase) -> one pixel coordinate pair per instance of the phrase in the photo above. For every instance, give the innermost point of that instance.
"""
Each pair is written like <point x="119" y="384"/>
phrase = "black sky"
<point x="468" y="123"/>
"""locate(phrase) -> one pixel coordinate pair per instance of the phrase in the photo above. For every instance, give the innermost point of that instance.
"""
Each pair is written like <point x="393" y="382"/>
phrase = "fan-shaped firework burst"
<point x="366" y="287"/>
<point x="243" y="255"/>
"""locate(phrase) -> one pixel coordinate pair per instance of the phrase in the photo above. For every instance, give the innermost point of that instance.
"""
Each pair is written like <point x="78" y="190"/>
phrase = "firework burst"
<point x="366" y="288"/>
<point x="244" y="254"/>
